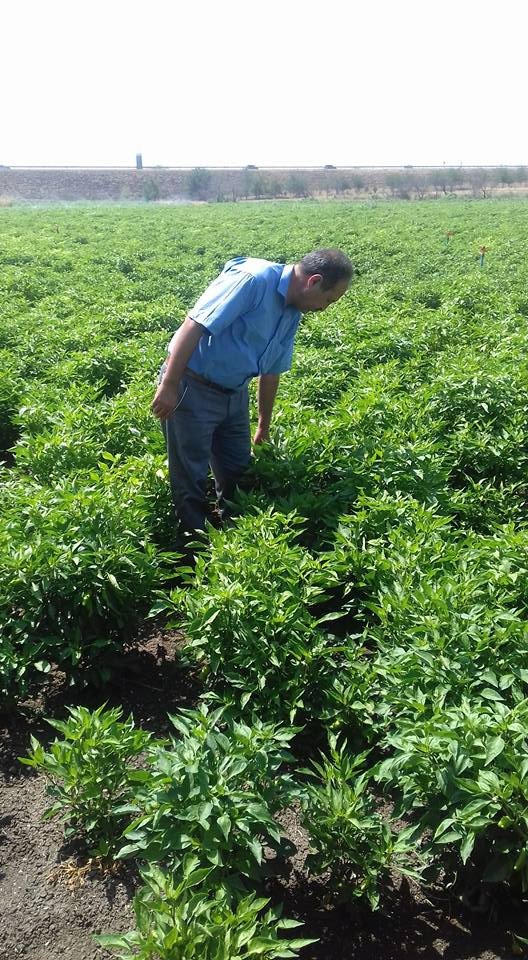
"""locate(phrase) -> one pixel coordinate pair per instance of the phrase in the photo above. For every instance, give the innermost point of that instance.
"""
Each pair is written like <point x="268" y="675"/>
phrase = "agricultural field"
<point x="314" y="742"/>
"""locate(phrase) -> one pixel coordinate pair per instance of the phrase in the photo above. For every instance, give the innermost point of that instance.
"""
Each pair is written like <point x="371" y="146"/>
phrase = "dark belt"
<point x="207" y="383"/>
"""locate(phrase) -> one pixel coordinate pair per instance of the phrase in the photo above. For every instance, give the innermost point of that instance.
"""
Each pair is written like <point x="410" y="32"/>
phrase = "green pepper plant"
<point x="348" y="836"/>
<point x="92" y="773"/>
<point x="184" y="918"/>
<point x="213" y="793"/>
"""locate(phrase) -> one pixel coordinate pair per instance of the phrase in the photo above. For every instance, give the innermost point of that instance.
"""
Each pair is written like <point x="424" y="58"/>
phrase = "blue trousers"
<point x="206" y="429"/>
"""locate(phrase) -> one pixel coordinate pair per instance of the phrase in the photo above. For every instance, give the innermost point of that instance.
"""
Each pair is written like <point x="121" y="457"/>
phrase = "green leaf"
<point x="493" y="749"/>
<point x="334" y="615"/>
<point x="490" y="694"/>
<point x="43" y="666"/>
<point x="256" y="850"/>
<point x="130" y="849"/>
<point x="466" y="847"/>
<point x="451" y="836"/>
<point x="224" y="823"/>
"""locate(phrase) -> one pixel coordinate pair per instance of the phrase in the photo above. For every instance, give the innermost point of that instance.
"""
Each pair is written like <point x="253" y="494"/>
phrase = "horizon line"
<point x="251" y="167"/>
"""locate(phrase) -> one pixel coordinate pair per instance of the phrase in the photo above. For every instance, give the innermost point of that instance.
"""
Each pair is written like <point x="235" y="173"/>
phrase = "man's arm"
<point x="267" y="390"/>
<point x="183" y="347"/>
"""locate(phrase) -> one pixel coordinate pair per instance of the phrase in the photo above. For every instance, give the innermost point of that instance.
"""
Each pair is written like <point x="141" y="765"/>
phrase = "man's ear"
<point x="314" y="279"/>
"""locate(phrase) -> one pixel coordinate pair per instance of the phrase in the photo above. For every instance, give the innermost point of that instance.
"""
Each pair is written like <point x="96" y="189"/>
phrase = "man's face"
<point x="315" y="298"/>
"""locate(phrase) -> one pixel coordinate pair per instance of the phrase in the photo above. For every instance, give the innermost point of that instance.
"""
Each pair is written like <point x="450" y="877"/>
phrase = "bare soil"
<point x="53" y="899"/>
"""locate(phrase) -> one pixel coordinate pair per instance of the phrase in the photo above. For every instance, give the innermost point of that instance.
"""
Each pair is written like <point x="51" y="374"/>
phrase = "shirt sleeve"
<point x="284" y="362"/>
<point x="229" y="296"/>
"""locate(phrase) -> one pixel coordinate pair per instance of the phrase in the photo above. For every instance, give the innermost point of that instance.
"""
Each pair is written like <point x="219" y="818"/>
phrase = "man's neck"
<point x="293" y="286"/>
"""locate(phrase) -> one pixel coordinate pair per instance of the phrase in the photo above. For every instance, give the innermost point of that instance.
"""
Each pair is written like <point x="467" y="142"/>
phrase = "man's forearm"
<point x="185" y="343"/>
<point x="267" y="391"/>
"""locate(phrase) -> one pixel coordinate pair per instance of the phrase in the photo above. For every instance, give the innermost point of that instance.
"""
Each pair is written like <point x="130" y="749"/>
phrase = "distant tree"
<point x="247" y="184"/>
<point x="399" y="183"/>
<point x="198" y="184"/>
<point x="480" y="180"/>
<point x="445" y="179"/>
<point x="253" y="183"/>
<point x="438" y="179"/>
<point x="420" y="185"/>
<point x="455" y="177"/>
<point x="298" y="185"/>
<point x="260" y="185"/>
<point x="413" y="183"/>
<point x="342" y="184"/>
<point x="276" y="187"/>
<point x="151" y="189"/>
<point x="392" y="181"/>
<point x="521" y="175"/>
<point x="433" y="181"/>
<point x="357" y="181"/>
<point x="408" y="183"/>
<point x="503" y="176"/>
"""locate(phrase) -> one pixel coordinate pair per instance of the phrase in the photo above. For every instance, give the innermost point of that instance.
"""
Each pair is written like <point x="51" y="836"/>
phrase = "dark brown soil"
<point x="408" y="925"/>
<point x="52" y="900"/>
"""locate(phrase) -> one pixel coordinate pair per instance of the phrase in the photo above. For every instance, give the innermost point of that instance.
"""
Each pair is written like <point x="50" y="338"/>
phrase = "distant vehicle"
<point x="330" y="166"/>
<point x="251" y="166"/>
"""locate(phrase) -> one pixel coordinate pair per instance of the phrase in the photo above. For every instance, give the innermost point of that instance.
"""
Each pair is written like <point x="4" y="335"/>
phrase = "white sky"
<point x="93" y="82"/>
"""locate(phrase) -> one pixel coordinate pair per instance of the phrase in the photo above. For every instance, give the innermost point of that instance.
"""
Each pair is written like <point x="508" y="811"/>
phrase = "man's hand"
<point x="165" y="400"/>
<point x="262" y="435"/>
<point x="267" y="388"/>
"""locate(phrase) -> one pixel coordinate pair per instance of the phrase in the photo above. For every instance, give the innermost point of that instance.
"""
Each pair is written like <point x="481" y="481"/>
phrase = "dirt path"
<point x="45" y="918"/>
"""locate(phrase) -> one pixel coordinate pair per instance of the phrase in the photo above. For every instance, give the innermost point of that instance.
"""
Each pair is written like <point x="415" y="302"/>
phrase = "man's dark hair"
<point x="332" y="264"/>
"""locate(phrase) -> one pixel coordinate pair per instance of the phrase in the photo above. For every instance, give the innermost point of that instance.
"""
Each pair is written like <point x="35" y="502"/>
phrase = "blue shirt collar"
<point x="284" y="281"/>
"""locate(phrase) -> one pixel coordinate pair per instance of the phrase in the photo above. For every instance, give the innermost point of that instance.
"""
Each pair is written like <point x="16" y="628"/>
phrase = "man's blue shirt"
<point x="249" y="328"/>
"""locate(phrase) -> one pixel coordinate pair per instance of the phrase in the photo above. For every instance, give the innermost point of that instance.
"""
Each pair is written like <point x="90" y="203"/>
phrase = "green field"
<point x="372" y="596"/>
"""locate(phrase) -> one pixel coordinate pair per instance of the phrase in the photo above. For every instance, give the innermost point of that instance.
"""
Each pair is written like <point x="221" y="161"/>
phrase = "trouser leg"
<point x="231" y="450"/>
<point x="189" y="435"/>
